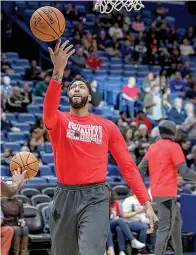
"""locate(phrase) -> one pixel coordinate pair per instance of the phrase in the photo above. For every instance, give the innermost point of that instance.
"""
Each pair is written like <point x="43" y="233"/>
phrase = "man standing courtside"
<point x="79" y="221"/>
<point x="165" y="159"/>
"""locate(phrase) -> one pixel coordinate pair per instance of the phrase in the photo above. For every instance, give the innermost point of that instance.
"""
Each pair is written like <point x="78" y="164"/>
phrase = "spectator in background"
<point x="191" y="94"/>
<point x="185" y="69"/>
<point x="3" y="100"/>
<point x="33" y="72"/>
<point x="141" y="119"/>
<point x="27" y="94"/>
<point x="177" y="85"/>
<point x="70" y="12"/>
<point x="177" y="113"/>
<point x="140" y="51"/>
<point x="186" y="148"/>
<point x="182" y="189"/>
<point x="186" y="49"/>
<point x="193" y="154"/>
<point x="190" y="35"/>
<point x="89" y="42"/>
<point x="39" y="132"/>
<point x="78" y="61"/>
<point x="128" y="135"/>
<point x="14" y="217"/>
<point x="126" y="51"/>
<point x="189" y="125"/>
<point x="41" y="86"/>
<point x="7" y="234"/>
<point x="130" y="93"/>
<point x="6" y="85"/>
<point x="7" y="156"/>
<point x="102" y="41"/>
<point x="116" y="31"/>
<point x="76" y="41"/>
<point x="6" y="125"/>
<point x="96" y="96"/>
<point x="114" y="50"/>
<point x="138" y="25"/>
<point x="4" y="63"/>
<point x="149" y="81"/>
<point x="16" y="102"/>
<point x="93" y="61"/>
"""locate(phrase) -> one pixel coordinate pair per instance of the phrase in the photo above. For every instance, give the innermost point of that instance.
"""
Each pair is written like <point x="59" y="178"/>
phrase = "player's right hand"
<point x="18" y="178"/>
<point x="61" y="54"/>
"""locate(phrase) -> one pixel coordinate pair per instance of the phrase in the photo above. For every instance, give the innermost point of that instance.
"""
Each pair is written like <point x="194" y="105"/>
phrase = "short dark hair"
<point x="80" y="78"/>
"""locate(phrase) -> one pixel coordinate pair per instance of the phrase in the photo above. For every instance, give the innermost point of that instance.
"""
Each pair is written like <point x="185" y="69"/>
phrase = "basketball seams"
<point x="42" y="32"/>
<point x="56" y="17"/>
<point x="47" y="22"/>
<point x="23" y="165"/>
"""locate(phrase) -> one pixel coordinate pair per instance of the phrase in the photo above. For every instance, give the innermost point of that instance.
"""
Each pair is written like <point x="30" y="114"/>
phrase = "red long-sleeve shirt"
<point x="80" y="146"/>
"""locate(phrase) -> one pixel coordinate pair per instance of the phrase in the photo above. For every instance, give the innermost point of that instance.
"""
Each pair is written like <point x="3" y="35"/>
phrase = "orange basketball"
<point x="26" y="161"/>
<point x="47" y="23"/>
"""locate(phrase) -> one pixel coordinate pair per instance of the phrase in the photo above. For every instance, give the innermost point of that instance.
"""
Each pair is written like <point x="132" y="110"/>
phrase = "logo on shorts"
<point x="84" y="133"/>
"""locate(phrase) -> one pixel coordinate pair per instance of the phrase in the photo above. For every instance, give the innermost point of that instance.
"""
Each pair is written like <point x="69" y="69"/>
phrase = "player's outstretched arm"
<point x="59" y="58"/>
<point x="130" y="173"/>
<point x="10" y="190"/>
<point x="179" y="161"/>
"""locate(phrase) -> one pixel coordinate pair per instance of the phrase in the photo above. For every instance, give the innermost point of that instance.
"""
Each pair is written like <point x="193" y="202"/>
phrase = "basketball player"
<point x="10" y="190"/>
<point x="165" y="159"/>
<point x="79" y="221"/>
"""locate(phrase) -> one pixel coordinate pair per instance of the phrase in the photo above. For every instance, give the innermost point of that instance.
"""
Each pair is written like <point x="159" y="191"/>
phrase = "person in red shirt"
<point x="141" y="119"/>
<point x="10" y="190"/>
<point x="93" y="62"/>
<point x="165" y="159"/>
<point x="80" y="142"/>
<point x="130" y="93"/>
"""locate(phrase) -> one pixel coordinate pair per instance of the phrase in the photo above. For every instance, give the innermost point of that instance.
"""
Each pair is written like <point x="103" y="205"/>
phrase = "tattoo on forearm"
<point x="57" y="77"/>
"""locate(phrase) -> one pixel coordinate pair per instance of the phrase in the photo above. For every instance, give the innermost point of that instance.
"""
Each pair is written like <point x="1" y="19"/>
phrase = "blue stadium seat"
<point x="15" y="76"/>
<point x="147" y="14"/>
<point x="33" y="109"/>
<point x="102" y="110"/>
<point x="52" y="167"/>
<point x="48" y="147"/>
<point x="36" y="180"/>
<point x="104" y="66"/>
<point x="16" y="136"/>
<point x="100" y="53"/>
<point x="5" y="171"/>
<point x="13" y="146"/>
<point x="90" y="17"/>
<point x="12" y="55"/>
<point x="128" y="67"/>
<point x="113" y="170"/>
<point x="147" y="21"/>
<point x="24" y="117"/>
<point x="11" y="116"/>
<point x="116" y="60"/>
<point x="18" y="69"/>
<point x="180" y="32"/>
<point x="3" y="138"/>
<point x="128" y="73"/>
<point x="81" y="8"/>
<point x="116" y="67"/>
<point x="64" y="108"/>
<point x="141" y="74"/>
<point x="143" y="68"/>
<point x="109" y="179"/>
<point x="53" y="180"/>
<point x="85" y="71"/>
<point x="155" y="68"/>
<point x="115" y="72"/>
<point x="100" y="72"/>
<point x="45" y="3"/>
<point x="64" y="101"/>
<point x="104" y="59"/>
<point x="23" y="126"/>
<point x="45" y="171"/>
<point x="22" y="62"/>
<point x="114" y="79"/>
<point x="48" y="158"/>
<point x="38" y="100"/>
<point x="21" y="4"/>
<point x="170" y="20"/>
<point x="33" y="5"/>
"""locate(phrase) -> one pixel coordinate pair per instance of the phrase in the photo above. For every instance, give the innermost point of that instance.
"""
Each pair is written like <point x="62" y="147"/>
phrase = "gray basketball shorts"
<point x="79" y="220"/>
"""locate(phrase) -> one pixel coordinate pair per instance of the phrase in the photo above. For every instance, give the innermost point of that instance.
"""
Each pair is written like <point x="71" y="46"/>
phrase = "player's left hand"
<point x="153" y="220"/>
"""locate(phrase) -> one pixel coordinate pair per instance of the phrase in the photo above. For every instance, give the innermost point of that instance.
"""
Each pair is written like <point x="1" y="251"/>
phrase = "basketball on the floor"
<point x="47" y="24"/>
<point x="25" y="161"/>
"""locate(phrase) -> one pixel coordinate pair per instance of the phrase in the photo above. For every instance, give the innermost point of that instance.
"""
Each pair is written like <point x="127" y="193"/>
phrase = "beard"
<point x="78" y="103"/>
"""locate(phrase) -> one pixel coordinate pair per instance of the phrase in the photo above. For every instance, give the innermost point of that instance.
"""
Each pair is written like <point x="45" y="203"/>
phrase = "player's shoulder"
<point x="102" y="120"/>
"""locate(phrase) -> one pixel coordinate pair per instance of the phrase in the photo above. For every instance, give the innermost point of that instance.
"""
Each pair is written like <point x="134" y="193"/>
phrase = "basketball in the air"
<point x="47" y="24"/>
<point x="25" y="161"/>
